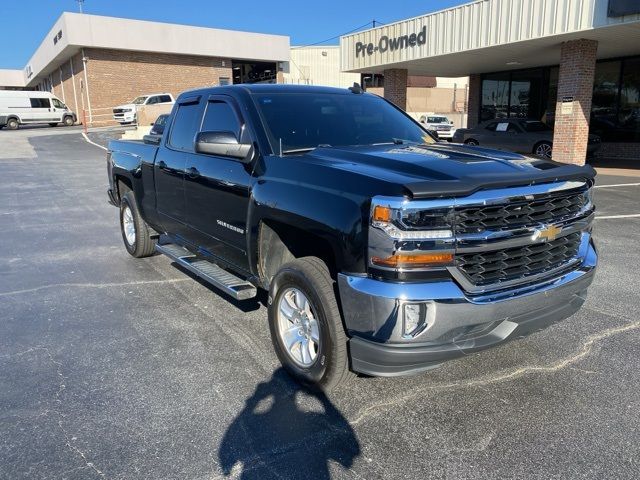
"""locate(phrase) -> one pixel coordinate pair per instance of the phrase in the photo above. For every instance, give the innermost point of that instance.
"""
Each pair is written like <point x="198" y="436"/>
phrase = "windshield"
<point x="535" y="126"/>
<point x="303" y="121"/>
<point x="437" y="120"/>
<point x="139" y="100"/>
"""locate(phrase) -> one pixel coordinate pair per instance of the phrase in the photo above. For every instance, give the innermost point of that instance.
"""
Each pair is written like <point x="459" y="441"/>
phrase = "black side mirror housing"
<point x="223" y="144"/>
<point x="152" y="139"/>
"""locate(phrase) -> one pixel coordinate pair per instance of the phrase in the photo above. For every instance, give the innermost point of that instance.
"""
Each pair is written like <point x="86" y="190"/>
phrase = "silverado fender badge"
<point x="547" y="234"/>
<point x="230" y="227"/>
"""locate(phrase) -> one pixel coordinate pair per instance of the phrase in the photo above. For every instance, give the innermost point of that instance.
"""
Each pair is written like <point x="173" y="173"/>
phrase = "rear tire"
<point x="471" y="142"/>
<point x="12" y="124"/>
<point x="327" y="364"/>
<point x="53" y="124"/>
<point x="68" y="121"/>
<point x="136" y="234"/>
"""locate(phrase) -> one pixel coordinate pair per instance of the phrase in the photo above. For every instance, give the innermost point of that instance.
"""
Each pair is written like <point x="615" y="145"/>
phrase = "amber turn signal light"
<point x="381" y="214"/>
<point x="414" y="261"/>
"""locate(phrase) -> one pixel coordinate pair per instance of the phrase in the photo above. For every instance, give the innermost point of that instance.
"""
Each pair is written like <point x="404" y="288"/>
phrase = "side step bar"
<point x="209" y="272"/>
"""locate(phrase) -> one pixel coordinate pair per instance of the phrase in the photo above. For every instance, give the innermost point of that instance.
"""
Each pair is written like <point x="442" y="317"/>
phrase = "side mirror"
<point x="223" y="144"/>
<point x="151" y="139"/>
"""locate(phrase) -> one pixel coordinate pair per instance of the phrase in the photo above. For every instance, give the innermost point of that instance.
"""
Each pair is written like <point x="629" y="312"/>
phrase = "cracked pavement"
<point x="117" y="368"/>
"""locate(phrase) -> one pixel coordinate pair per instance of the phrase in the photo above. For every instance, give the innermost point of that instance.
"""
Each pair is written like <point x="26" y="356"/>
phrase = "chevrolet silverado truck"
<point x="381" y="251"/>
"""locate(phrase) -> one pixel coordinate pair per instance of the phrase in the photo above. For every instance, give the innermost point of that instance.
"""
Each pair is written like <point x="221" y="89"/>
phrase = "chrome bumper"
<point x="457" y="324"/>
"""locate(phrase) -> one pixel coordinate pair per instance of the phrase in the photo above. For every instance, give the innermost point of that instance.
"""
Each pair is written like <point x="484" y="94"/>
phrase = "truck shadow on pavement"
<point x="286" y="431"/>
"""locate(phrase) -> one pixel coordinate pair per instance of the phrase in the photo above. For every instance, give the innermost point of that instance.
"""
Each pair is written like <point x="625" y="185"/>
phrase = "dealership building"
<point x="94" y="63"/>
<point x="571" y="63"/>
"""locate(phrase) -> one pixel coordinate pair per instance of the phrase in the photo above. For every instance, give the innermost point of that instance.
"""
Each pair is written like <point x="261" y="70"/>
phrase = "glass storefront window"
<point x="512" y="94"/>
<point x="629" y="113"/>
<point x="604" y="104"/>
<point x="615" y="110"/>
<point x="495" y="96"/>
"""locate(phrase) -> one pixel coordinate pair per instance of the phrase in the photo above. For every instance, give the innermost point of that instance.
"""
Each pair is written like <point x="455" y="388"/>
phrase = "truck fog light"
<point x="414" y="318"/>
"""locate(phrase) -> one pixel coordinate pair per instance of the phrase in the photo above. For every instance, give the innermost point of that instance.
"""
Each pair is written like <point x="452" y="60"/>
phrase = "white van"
<point x="26" y="108"/>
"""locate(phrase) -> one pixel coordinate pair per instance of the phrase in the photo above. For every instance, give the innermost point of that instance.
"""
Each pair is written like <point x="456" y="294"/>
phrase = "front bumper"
<point x="456" y="323"/>
<point x="446" y="135"/>
<point x="128" y="117"/>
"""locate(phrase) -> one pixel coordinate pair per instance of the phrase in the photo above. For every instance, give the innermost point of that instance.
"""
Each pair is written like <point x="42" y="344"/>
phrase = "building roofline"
<point x="75" y="31"/>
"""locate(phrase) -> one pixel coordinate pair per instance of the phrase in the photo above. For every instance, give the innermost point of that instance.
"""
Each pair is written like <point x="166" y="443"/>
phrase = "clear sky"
<point x="26" y="22"/>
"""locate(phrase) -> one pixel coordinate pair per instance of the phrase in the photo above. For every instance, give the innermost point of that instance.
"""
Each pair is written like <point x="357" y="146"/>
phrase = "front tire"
<point x="471" y="142"/>
<point x="544" y="149"/>
<point x="136" y="234"/>
<point x="12" y="124"/>
<point x="68" y="121"/>
<point x="306" y="326"/>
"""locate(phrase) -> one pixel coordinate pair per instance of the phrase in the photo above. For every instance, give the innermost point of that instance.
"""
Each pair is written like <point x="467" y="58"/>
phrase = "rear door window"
<point x="185" y="125"/>
<point x="164" y="99"/>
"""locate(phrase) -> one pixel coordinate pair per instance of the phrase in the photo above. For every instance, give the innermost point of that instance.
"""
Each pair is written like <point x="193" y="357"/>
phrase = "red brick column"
<point x="473" y="103"/>
<point x="395" y="86"/>
<point x="577" y="68"/>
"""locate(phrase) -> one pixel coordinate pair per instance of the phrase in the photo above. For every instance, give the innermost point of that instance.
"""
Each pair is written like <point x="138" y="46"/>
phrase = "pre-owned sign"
<point x="386" y="43"/>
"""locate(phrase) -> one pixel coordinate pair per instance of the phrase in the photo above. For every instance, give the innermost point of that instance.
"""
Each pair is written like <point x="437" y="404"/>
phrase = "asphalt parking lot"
<point x="117" y="368"/>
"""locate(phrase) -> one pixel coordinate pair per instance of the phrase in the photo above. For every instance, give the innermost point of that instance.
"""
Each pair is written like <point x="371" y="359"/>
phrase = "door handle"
<point x="193" y="172"/>
<point x="162" y="165"/>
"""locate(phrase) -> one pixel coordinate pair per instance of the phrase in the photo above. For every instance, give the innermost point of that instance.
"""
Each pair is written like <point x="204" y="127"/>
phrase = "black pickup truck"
<point x="382" y="250"/>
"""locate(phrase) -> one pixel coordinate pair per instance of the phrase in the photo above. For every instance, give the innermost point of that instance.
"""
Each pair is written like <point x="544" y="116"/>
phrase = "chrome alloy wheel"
<point x="128" y="225"/>
<point x="298" y="327"/>
<point x="544" y="150"/>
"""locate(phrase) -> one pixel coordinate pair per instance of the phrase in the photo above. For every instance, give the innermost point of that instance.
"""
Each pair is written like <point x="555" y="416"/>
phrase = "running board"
<point x="210" y="272"/>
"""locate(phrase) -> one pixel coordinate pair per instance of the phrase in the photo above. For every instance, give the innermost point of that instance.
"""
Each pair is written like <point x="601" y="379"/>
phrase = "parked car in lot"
<point x="516" y="135"/>
<point x="28" y="108"/>
<point x="382" y="251"/>
<point x="127" y="113"/>
<point x="440" y="124"/>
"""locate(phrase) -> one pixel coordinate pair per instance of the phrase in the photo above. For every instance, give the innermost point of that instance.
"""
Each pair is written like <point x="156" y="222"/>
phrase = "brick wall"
<point x="575" y="79"/>
<point x="117" y="77"/>
<point x="473" y="105"/>
<point x="619" y="151"/>
<point x="64" y="78"/>
<point x="395" y="87"/>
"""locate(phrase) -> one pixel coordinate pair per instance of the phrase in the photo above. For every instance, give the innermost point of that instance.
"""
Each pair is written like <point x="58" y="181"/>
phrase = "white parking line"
<point x="605" y="217"/>
<point x="618" y="185"/>
<point x="93" y="143"/>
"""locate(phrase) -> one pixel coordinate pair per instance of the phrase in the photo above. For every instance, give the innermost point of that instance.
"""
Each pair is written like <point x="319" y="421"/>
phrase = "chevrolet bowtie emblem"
<point x="547" y="234"/>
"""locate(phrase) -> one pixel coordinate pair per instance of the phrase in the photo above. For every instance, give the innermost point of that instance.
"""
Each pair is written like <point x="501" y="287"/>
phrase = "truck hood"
<point x="127" y="105"/>
<point x="427" y="171"/>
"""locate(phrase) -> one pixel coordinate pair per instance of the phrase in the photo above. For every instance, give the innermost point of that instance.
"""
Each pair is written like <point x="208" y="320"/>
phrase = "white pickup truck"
<point x="440" y="124"/>
<point x="127" y="113"/>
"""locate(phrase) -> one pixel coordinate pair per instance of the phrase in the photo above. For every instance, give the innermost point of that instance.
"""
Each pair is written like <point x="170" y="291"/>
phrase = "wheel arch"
<point x="280" y="243"/>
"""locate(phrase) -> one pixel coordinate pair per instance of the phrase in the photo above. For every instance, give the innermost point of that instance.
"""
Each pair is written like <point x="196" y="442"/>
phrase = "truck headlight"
<point x="405" y="236"/>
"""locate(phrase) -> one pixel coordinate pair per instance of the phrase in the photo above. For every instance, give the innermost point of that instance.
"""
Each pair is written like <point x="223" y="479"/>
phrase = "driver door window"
<point x="220" y="117"/>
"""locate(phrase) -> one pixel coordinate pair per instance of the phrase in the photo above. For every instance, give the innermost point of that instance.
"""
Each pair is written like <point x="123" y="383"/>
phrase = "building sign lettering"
<point x="385" y="43"/>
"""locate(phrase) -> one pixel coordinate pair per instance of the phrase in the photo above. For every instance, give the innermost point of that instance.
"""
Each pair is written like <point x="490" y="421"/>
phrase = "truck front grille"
<point x="497" y="266"/>
<point x="520" y="214"/>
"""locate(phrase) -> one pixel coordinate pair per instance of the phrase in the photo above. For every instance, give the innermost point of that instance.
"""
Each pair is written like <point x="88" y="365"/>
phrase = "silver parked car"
<point x="515" y="135"/>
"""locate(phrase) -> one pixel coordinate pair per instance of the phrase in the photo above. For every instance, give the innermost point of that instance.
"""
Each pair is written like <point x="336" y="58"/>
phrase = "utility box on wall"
<point x="620" y="8"/>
